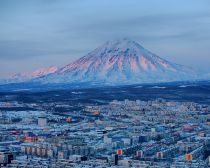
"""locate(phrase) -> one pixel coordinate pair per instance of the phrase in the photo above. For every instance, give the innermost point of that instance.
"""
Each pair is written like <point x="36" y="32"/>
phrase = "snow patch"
<point x="158" y="87"/>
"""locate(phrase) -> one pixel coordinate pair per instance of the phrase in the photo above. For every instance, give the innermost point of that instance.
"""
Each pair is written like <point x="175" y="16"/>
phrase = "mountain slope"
<point x="22" y="77"/>
<point x="120" y="62"/>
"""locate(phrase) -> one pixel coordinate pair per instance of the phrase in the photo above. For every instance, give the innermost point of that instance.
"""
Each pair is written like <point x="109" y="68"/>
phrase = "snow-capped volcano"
<point x="120" y="62"/>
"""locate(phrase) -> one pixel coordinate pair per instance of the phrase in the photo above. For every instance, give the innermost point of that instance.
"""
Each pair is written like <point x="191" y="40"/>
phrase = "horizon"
<point x="39" y="34"/>
<point x="117" y="40"/>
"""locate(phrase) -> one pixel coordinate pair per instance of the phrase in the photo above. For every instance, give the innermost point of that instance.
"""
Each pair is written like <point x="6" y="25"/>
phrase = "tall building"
<point x="42" y="121"/>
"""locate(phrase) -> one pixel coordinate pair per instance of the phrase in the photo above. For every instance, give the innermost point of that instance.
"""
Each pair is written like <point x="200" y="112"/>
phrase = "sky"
<point x="41" y="33"/>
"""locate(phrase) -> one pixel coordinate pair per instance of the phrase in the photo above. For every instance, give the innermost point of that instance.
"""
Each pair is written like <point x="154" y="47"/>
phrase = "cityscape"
<point x="104" y="84"/>
<point x="124" y="133"/>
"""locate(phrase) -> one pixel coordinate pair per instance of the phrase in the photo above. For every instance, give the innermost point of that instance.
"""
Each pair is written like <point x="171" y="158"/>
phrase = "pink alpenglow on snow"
<point x="43" y="71"/>
<point x="121" y="61"/>
<point x="35" y="74"/>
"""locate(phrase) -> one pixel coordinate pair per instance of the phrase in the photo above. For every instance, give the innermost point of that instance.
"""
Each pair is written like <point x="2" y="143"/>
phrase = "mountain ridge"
<point x="121" y="61"/>
<point x="25" y="76"/>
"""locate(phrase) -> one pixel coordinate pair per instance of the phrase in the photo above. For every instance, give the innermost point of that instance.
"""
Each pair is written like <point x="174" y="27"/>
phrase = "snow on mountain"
<point x="25" y="76"/>
<point x="43" y="72"/>
<point x="121" y="61"/>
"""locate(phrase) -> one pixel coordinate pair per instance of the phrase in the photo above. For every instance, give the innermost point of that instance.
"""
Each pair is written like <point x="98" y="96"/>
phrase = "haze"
<point x="36" y="34"/>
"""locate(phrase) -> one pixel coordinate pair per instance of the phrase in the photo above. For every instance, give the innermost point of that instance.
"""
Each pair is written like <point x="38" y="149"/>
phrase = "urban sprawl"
<point x="139" y="134"/>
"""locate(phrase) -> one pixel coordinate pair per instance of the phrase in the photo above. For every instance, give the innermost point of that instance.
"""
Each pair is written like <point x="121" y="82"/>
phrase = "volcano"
<point x="118" y="62"/>
<point x="121" y="61"/>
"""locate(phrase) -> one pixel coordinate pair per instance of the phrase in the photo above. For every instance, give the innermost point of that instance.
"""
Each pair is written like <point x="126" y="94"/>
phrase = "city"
<point x="155" y="133"/>
<point x="104" y="84"/>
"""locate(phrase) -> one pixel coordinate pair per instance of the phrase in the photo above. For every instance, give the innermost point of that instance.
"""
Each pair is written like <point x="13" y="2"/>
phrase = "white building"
<point x="42" y="121"/>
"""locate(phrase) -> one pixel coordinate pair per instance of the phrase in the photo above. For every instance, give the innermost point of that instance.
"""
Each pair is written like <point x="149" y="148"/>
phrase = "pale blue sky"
<point x="41" y="33"/>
